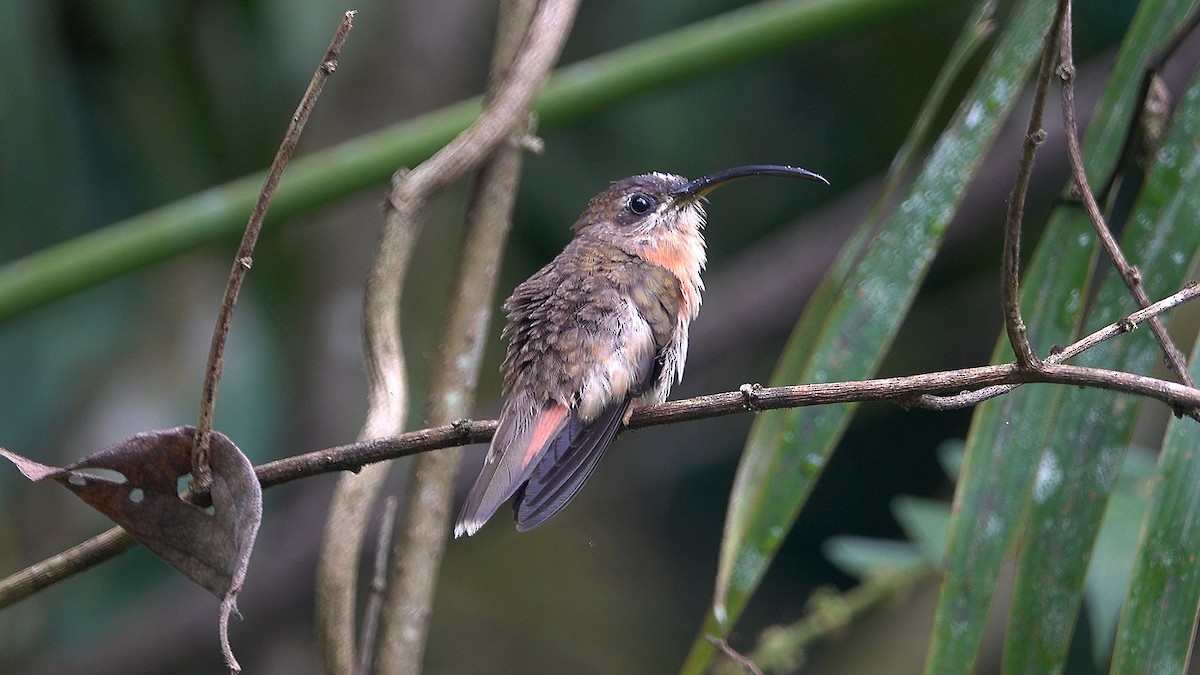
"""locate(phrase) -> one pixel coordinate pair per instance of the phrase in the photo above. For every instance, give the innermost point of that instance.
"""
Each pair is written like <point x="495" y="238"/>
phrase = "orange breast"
<point x="675" y="254"/>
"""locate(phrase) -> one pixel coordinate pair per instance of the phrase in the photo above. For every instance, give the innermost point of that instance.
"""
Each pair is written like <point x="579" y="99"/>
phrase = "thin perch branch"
<point x="907" y="389"/>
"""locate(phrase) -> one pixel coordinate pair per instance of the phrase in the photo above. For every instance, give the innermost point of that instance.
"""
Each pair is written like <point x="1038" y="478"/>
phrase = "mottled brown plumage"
<point x="604" y="326"/>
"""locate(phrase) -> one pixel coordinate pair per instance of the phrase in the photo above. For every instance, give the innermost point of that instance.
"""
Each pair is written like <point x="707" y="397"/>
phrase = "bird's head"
<point x="646" y="209"/>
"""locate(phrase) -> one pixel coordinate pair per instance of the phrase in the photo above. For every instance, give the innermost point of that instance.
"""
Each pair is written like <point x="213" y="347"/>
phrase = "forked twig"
<point x="421" y="540"/>
<point x="1061" y="354"/>
<point x="1129" y="274"/>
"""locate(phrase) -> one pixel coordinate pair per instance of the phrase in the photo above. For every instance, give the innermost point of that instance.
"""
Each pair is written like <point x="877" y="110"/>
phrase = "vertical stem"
<point x="201" y="474"/>
<point x="421" y="545"/>
<point x="387" y="406"/>
<point x="1014" y="325"/>
<point x="337" y="576"/>
<point x="387" y="525"/>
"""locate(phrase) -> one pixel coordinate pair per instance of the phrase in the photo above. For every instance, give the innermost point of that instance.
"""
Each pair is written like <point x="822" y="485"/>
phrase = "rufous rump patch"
<point x="549" y="422"/>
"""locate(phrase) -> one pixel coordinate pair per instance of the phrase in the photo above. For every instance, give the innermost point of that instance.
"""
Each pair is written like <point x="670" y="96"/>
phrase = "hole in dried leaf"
<point x="183" y="484"/>
<point x="81" y="476"/>
<point x="136" y="495"/>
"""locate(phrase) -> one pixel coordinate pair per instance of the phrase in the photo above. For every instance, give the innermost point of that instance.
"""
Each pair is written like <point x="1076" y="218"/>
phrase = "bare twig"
<point x="1061" y="354"/>
<point x="201" y="475"/>
<point x="506" y="110"/>
<point x="64" y="565"/>
<point x="741" y="659"/>
<point x="1129" y="274"/>
<point x="906" y="390"/>
<point x="374" y="605"/>
<point x="1014" y="325"/>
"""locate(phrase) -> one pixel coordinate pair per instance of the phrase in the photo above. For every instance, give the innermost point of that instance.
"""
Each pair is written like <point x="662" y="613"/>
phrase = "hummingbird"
<point x="599" y="330"/>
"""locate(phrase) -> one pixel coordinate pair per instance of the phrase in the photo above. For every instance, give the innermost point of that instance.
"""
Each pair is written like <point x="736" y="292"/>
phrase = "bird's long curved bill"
<point x="705" y="184"/>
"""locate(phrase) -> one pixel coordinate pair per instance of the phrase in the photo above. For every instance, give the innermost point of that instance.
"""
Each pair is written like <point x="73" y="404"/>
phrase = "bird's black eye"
<point x="640" y="204"/>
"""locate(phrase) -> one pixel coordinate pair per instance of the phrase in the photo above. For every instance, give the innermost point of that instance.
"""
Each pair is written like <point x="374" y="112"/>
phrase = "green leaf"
<point x="997" y="473"/>
<point x="951" y="454"/>
<point x="1155" y="632"/>
<point x="1112" y="560"/>
<point x="851" y="320"/>
<point x="1092" y="430"/>
<point x="865" y="557"/>
<point x="926" y="522"/>
<point x="1008" y="434"/>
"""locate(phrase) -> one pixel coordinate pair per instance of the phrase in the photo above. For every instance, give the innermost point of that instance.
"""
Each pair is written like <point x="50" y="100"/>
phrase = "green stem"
<point x="782" y="648"/>
<point x="324" y="177"/>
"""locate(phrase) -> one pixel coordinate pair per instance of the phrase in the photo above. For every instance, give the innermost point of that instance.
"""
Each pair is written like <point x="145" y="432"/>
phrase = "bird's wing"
<point x="565" y="466"/>
<point x="656" y="296"/>
<point x="652" y="294"/>
<point x="570" y="335"/>
<point x="521" y="439"/>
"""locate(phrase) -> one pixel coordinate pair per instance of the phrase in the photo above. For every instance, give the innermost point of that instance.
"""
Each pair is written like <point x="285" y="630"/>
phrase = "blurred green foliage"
<point x="108" y="110"/>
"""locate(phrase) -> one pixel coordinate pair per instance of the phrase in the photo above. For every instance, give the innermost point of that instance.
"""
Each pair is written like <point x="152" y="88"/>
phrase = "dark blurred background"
<point x="108" y="109"/>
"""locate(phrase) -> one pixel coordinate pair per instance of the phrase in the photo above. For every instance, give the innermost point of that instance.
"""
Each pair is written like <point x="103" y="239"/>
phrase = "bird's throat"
<point x="681" y="250"/>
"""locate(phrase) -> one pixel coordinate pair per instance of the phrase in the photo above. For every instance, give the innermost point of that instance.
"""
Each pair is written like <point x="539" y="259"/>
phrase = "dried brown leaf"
<point x="136" y="483"/>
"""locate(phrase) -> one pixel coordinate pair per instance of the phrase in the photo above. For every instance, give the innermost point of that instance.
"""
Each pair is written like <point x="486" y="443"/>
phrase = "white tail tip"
<point x="467" y="527"/>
